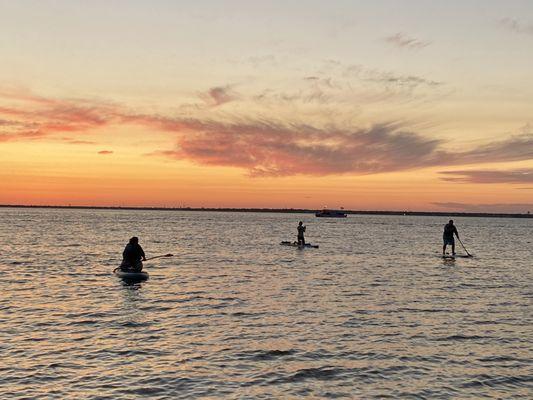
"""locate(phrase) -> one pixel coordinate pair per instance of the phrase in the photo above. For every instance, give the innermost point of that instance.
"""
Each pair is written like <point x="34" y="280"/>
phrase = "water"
<point x="373" y="313"/>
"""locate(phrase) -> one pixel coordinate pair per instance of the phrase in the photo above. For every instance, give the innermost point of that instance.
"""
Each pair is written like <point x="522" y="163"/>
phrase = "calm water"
<point x="373" y="313"/>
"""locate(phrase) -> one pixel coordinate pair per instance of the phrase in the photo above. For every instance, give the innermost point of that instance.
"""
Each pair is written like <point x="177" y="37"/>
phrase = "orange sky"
<point x="353" y="106"/>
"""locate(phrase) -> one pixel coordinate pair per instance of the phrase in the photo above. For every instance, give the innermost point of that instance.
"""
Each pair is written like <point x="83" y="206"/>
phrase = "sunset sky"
<point x="381" y="105"/>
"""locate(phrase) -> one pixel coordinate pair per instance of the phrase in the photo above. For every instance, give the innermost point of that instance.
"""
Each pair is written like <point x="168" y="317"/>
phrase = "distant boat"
<point x="330" y="214"/>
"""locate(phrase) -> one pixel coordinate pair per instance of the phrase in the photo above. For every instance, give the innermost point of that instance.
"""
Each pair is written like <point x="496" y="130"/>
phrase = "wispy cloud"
<point x="517" y="26"/>
<point x="219" y="95"/>
<point x="504" y="208"/>
<point x="77" y="141"/>
<point x="105" y="152"/>
<point x="34" y="116"/>
<point x="489" y="176"/>
<point x="342" y="89"/>
<point x="388" y="79"/>
<point x="514" y="148"/>
<point x="403" y="41"/>
<point x="261" y="146"/>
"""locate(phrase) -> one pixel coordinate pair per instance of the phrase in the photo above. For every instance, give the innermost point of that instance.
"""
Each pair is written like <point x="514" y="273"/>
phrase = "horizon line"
<point x="278" y="210"/>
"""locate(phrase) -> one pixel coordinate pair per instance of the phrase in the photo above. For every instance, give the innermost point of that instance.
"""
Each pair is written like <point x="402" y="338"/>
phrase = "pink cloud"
<point x="76" y="141"/>
<point x="262" y="147"/>
<point x="267" y="149"/>
<point x="105" y="152"/>
<point x="33" y="116"/>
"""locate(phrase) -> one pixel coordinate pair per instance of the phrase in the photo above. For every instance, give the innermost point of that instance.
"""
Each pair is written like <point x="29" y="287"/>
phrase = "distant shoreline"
<point x="281" y="210"/>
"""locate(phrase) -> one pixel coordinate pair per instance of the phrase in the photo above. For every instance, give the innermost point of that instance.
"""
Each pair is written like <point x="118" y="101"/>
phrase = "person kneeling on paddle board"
<point x="132" y="256"/>
<point x="301" y="230"/>
<point x="447" y="237"/>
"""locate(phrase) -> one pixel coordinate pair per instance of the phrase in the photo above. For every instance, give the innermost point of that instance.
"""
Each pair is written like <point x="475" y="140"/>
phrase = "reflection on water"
<point x="374" y="312"/>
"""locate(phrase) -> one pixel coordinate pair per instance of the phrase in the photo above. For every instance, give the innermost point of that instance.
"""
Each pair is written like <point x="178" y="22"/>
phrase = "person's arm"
<point x="455" y="230"/>
<point x="142" y="253"/>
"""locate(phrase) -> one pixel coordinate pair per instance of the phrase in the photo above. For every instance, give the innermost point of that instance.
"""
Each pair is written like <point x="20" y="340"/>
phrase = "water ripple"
<point x="234" y="315"/>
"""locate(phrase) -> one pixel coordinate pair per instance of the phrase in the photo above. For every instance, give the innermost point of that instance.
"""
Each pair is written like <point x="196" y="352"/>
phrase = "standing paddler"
<point x="301" y="231"/>
<point x="447" y="237"/>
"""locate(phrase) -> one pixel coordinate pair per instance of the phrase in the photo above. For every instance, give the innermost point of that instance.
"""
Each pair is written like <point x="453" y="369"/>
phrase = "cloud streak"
<point x="76" y="141"/>
<point x="403" y="41"/>
<point x="489" y="176"/>
<point x="409" y="81"/>
<point x="516" y="26"/>
<point x="514" y="148"/>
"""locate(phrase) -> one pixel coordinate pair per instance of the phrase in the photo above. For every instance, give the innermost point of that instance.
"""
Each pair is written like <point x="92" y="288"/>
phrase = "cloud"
<point x="344" y="89"/>
<point x="6" y="122"/>
<point x="268" y="149"/>
<point x="515" y="148"/>
<point x="516" y="26"/>
<point x="105" y="152"/>
<point x="76" y="141"/>
<point x="261" y="146"/>
<point x="405" y="42"/>
<point x="387" y="78"/>
<point x="219" y="95"/>
<point x="489" y="176"/>
<point x="265" y="148"/>
<point x="34" y="117"/>
<point x="504" y="208"/>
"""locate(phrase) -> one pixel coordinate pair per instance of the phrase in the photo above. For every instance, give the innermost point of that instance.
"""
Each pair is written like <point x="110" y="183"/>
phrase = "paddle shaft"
<point x="163" y="255"/>
<point x="470" y="255"/>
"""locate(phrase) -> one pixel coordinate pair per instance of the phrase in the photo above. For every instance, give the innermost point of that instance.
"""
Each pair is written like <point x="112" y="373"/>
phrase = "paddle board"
<point x="132" y="276"/>
<point x="295" y="244"/>
<point x="449" y="256"/>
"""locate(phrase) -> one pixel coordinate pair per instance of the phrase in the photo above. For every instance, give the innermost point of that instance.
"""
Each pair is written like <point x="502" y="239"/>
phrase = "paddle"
<point x="163" y="255"/>
<point x="469" y="255"/>
<point x="151" y="258"/>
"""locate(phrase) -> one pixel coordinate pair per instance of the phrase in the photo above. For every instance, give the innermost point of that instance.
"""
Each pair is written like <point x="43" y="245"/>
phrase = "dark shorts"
<point x="448" y="240"/>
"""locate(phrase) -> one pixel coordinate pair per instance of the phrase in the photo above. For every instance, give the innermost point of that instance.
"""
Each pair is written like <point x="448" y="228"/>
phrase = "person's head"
<point x="134" y="240"/>
<point x="451" y="222"/>
<point x="300" y="223"/>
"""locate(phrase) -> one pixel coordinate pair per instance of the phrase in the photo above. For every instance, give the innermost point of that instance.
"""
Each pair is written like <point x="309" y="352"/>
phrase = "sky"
<point x="382" y="105"/>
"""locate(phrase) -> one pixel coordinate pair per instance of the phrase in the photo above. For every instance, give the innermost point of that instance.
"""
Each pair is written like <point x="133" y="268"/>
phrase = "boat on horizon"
<point x="325" y="213"/>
